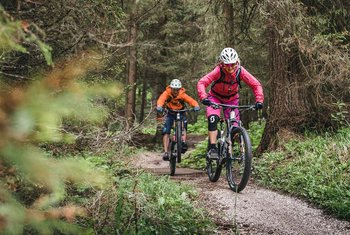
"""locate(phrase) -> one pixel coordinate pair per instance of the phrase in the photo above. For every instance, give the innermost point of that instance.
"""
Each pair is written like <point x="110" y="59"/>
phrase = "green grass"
<point x="136" y="202"/>
<point x="196" y="159"/>
<point x="317" y="168"/>
<point x="200" y="127"/>
<point x="255" y="132"/>
<point x="170" y="208"/>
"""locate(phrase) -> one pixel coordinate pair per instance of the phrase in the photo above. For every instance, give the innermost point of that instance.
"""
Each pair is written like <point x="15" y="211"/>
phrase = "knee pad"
<point x="213" y="122"/>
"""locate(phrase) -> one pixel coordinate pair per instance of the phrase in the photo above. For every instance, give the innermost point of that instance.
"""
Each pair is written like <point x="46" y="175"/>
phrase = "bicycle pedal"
<point x="213" y="154"/>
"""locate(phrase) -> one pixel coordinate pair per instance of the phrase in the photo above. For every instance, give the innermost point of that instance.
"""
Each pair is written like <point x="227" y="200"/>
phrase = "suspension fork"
<point x="178" y="119"/>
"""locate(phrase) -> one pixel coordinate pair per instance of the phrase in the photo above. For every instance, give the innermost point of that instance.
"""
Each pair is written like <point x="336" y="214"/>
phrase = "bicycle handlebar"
<point x="225" y="106"/>
<point x="178" y="111"/>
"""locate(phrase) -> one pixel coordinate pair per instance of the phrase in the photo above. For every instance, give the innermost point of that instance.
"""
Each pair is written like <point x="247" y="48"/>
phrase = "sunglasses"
<point x="230" y="65"/>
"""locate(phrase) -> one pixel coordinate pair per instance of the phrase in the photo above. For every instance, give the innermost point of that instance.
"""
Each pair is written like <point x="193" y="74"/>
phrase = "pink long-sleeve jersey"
<point x="227" y="89"/>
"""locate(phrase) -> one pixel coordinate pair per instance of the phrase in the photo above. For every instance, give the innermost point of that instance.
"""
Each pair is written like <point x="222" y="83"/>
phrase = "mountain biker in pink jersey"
<point x="225" y="82"/>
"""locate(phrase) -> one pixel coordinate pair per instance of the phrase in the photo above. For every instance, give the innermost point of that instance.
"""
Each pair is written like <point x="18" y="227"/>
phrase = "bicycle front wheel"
<point x="172" y="160"/>
<point x="238" y="165"/>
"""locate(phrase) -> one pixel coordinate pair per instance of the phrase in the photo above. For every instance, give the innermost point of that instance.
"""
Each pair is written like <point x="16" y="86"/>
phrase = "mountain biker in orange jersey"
<point x="225" y="82"/>
<point x="174" y="97"/>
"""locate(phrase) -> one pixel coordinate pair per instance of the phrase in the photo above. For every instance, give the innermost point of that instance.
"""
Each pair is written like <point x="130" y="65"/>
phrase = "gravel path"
<point x="255" y="210"/>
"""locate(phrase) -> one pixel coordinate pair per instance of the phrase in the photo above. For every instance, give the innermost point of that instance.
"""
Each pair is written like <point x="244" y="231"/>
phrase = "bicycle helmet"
<point x="229" y="56"/>
<point x="175" y="83"/>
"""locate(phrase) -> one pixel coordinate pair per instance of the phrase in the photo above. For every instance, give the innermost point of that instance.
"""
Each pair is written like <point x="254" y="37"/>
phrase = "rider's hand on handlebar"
<point x="206" y="101"/>
<point x="159" y="109"/>
<point x="196" y="109"/>
<point x="258" y="105"/>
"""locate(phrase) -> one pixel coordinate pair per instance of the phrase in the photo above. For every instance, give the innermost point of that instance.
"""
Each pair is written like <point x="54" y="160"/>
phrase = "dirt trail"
<point x="257" y="210"/>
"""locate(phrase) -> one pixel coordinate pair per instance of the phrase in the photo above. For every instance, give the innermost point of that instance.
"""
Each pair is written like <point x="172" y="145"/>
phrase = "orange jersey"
<point x="175" y="103"/>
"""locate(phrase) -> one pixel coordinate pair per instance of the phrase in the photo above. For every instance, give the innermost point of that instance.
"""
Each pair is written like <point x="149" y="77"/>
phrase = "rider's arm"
<point x="206" y="80"/>
<point x="253" y="83"/>
<point x="188" y="99"/>
<point x="162" y="98"/>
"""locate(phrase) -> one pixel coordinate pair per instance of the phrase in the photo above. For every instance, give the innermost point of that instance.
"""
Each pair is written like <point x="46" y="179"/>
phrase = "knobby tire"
<point x="172" y="160"/>
<point x="238" y="166"/>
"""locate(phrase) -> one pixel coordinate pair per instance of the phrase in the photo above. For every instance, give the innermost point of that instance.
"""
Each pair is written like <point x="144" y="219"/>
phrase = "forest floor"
<point x="255" y="210"/>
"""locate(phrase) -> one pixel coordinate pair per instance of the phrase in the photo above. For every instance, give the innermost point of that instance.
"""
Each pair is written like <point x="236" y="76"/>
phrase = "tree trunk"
<point x="291" y="101"/>
<point x="143" y="98"/>
<point x="229" y="24"/>
<point x="131" y="79"/>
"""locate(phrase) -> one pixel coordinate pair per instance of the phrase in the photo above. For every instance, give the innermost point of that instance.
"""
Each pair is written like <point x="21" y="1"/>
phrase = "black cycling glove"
<point x="258" y="105"/>
<point x="206" y="101"/>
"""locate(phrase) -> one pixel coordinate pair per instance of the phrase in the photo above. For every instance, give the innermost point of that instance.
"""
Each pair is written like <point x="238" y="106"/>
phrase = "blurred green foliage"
<point x="32" y="114"/>
<point x="13" y="33"/>
<point x="10" y="33"/>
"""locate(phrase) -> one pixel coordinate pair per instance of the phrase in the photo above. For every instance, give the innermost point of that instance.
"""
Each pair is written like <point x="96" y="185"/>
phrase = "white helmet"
<point x="229" y="56"/>
<point x="175" y="83"/>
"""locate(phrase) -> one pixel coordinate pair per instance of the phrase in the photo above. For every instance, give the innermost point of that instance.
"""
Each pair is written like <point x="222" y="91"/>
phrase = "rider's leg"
<point x="213" y="118"/>
<point x="227" y="114"/>
<point x="212" y="132"/>
<point x="166" y="142"/>
<point x="166" y="133"/>
<point x="184" y="135"/>
<point x="213" y="128"/>
<point x="212" y="136"/>
<point x="184" y="144"/>
<point x="227" y="111"/>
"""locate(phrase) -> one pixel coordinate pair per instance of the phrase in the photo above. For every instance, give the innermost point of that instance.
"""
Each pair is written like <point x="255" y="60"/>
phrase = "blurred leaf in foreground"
<point x="32" y="115"/>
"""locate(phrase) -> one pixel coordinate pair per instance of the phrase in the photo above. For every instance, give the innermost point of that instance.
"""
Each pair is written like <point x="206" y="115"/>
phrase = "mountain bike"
<point x="175" y="141"/>
<point x="234" y="150"/>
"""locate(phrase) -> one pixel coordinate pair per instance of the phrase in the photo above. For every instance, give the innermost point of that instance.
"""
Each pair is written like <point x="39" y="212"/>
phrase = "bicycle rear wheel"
<point x="213" y="166"/>
<point x="178" y="140"/>
<point x="172" y="160"/>
<point x="238" y="166"/>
